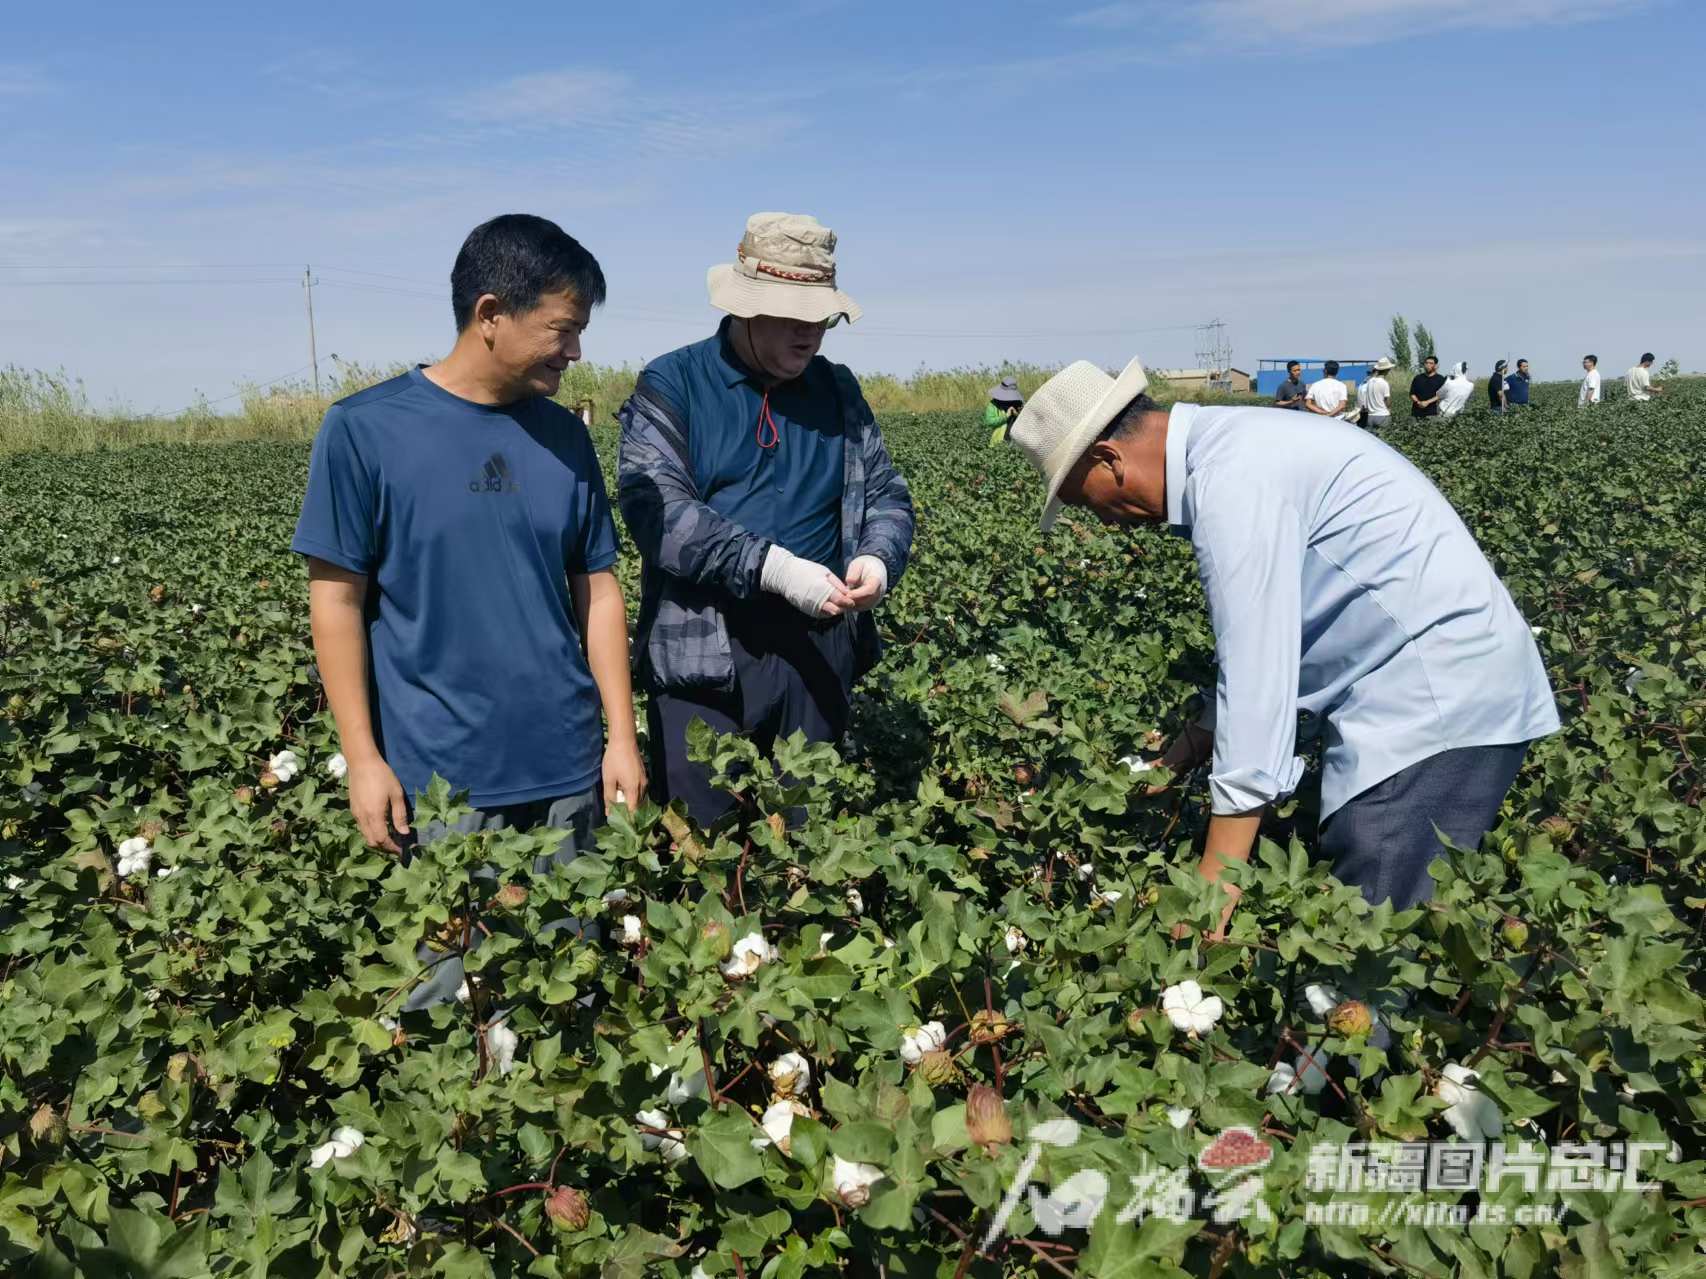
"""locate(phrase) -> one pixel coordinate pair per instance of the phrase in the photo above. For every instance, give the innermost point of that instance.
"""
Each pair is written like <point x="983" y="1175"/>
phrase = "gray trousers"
<point x="578" y="814"/>
<point x="1383" y="841"/>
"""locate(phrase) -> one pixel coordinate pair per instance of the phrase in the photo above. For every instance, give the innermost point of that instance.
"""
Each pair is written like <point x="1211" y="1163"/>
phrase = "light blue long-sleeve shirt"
<point x="1342" y="584"/>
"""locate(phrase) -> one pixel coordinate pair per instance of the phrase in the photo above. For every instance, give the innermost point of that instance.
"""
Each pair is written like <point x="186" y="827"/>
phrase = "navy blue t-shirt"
<point x="790" y="492"/>
<point x="467" y="520"/>
<point x="1516" y="388"/>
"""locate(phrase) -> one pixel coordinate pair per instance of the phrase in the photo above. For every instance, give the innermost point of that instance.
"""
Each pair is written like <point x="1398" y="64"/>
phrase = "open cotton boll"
<point x="164" y="871"/>
<point x="502" y="1043"/>
<point x="1191" y="1010"/>
<point x="1322" y="999"/>
<point x="337" y="767"/>
<point x="668" y="1142"/>
<point x="284" y="765"/>
<point x="14" y="883"/>
<point x="134" y="857"/>
<point x="1307" y="1074"/>
<point x="790" y="1074"/>
<point x="855" y="902"/>
<point x="778" y="1125"/>
<point x="853" y="1181"/>
<point x="1472" y="1114"/>
<point x="632" y="933"/>
<point x="1015" y="939"/>
<point x="1179" y="1116"/>
<point x="344" y="1143"/>
<point x="923" y="1039"/>
<point x="750" y="954"/>
<point x="1136" y="765"/>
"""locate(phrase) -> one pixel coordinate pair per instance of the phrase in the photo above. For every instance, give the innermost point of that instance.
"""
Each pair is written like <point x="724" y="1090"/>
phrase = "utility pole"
<point x="308" y="283"/>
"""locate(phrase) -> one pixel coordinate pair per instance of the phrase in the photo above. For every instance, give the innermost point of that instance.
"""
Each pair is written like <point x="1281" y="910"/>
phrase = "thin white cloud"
<point x="1256" y="23"/>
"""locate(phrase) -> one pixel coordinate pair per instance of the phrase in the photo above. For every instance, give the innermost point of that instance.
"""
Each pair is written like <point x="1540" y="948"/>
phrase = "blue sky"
<point x="1010" y="179"/>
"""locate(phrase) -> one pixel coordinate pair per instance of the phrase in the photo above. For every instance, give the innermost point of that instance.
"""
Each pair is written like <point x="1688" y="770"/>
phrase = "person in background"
<point x="1588" y="396"/>
<point x="462" y="592"/>
<point x="1291" y="391"/>
<point x="1639" y="380"/>
<point x="1497" y="394"/>
<point x="1425" y="388"/>
<point x="768" y="516"/>
<point x="1375" y="396"/>
<point x="1454" y="396"/>
<point x="1004" y="405"/>
<point x="1327" y="396"/>
<point x="1340" y="584"/>
<point x="1516" y="386"/>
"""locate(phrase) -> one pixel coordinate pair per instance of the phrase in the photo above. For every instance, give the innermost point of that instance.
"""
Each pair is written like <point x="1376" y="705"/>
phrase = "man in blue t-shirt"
<point x="467" y="619"/>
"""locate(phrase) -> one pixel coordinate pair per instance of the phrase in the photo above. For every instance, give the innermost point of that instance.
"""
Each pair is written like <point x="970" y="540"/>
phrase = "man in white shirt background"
<point x="1639" y="380"/>
<point x="1327" y="395"/>
<point x="1375" y="395"/>
<point x="1589" y="394"/>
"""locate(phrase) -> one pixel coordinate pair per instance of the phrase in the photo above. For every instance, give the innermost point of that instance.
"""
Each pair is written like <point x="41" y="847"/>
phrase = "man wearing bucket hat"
<point x="1343" y="587"/>
<point x="1374" y="397"/>
<point x="769" y="518"/>
<point x="1004" y="405"/>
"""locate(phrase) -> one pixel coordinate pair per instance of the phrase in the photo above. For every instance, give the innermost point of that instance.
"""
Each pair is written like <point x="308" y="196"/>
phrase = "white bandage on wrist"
<point x="877" y="568"/>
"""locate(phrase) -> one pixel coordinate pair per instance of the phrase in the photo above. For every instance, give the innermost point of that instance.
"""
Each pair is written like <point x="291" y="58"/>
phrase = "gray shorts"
<point x="579" y="814"/>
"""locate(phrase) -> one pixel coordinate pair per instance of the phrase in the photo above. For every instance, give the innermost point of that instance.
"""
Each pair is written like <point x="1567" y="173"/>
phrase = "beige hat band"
<point x="756" y="268"/>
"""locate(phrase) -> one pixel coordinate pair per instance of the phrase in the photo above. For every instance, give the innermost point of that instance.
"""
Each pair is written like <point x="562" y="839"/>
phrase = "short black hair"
<point x="518" y="257"/>
<point x="1430" y="356"/>
<point x="1128" y="419"/>
<point x="1293" y="364"/>
<point x="1647" y="358"/>
<point x="1594" y="358"/>
<point x="1522" y="361"/>
<point x="1330" y="367"/>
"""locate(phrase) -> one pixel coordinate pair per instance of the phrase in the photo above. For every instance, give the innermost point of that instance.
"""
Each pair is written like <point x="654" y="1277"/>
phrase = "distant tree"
<point x="1425" y="343"/>
<point x="1670" y="368"/>
<point x="1398" y="340"/>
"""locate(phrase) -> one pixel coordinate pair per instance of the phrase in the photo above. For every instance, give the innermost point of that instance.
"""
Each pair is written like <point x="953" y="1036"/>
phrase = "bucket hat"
<point x="784" y="266"/>
<point x="1064" y="417"/>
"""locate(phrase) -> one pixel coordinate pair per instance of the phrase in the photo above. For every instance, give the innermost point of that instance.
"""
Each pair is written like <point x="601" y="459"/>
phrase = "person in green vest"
<point x="1004" y="405"/>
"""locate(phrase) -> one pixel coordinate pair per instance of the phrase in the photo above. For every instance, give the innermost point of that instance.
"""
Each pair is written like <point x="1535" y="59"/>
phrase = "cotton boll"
<point x="337" y="768"/>
<point x="502" y="1043"/>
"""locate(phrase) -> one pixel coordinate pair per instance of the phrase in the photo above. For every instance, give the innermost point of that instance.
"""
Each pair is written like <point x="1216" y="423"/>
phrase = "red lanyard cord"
<point x="766" y="422"/>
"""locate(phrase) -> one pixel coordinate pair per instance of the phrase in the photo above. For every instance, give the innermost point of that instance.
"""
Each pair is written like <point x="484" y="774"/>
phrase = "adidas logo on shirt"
<point x="494" y="477"/>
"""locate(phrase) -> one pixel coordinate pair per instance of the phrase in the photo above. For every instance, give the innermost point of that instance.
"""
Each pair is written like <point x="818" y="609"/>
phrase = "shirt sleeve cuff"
<point x="1243" y="790"/>
<point x="331" y="554"/>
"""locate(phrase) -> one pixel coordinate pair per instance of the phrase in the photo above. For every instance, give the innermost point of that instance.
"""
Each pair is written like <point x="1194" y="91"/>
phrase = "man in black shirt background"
<point x="1292" y="391"/>
<point x="1425" y="388"/>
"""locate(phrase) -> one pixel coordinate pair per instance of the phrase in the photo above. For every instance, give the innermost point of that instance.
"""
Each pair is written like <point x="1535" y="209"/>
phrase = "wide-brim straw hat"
<point x="1064" y="417"/>
<point x="1006" y="391"/>
<point x="1384" y="365"/>
<point x="784" y="266"/>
